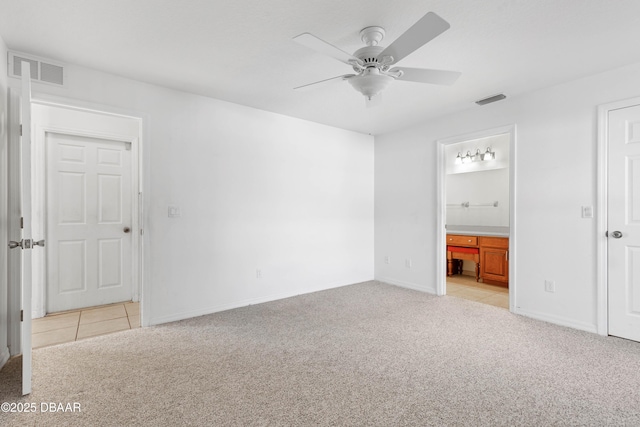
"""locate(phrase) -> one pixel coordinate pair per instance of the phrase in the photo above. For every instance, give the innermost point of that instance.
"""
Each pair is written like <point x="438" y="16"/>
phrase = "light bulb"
<point x="489" y="155"/>
<point x="467" y="158"/>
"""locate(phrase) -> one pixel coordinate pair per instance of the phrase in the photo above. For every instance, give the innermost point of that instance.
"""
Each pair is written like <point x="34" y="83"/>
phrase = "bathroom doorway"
<point x="476" y="200"/>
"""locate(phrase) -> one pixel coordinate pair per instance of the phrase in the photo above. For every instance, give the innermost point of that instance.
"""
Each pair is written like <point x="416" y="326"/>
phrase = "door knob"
<point x="14" y="245"/>
<point x="127" y="229"/>
<point x="616" y="234"/>
<point x="26" y="244"/>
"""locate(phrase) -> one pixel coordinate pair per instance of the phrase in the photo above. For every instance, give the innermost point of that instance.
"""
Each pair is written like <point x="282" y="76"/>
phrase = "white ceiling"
<point x="242" y="50"/>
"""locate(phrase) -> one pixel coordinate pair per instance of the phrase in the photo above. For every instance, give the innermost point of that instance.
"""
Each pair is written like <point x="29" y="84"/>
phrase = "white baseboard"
<point x="215" y="309"/>
<point x="408" y="285"/>
<point x="4" y="356"/>
<point x="557" y="320"/>
<point x="242" y="303"/>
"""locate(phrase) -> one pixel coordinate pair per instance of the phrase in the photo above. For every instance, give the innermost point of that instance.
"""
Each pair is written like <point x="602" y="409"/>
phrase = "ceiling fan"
<point x="373" y="63"/>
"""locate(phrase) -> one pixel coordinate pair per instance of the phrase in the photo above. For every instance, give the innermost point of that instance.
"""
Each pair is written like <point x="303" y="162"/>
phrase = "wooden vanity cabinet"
<point x="494" y="260"/>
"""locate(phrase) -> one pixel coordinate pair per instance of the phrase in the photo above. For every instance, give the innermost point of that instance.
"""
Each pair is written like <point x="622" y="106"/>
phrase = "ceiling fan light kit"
<point x="372" y="63"/>
<point x="370" y="83"/>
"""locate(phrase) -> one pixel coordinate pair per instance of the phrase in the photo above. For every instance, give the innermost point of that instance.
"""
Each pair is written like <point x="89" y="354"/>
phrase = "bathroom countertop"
<point x="478" y="230"/>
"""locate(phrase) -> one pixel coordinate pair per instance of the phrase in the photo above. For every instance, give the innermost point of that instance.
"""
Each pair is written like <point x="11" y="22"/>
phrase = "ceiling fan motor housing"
<point x="371" y="78"/>
<point x="369" y="56"/>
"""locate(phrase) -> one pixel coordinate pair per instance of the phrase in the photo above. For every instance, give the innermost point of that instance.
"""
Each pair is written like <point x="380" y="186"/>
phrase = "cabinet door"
<point x="494" y="264"/>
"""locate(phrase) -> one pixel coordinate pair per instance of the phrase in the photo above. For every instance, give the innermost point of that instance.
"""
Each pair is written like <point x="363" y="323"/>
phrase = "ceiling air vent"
<point x="491" y="99"/>
<point x="42" y="70"/>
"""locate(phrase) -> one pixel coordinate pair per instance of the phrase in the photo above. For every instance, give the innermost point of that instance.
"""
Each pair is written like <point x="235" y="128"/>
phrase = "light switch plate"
<point x="549" y="286"/>
<point x="174" y="211"/>
<point x="587" y="212"/>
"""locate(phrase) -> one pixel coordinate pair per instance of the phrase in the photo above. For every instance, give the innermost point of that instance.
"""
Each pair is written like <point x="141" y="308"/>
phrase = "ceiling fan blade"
<point x="426" y="29"/>
<point x="424" y="75"/>
<point x="321" y="46"/>
<point x="344" y="77"/>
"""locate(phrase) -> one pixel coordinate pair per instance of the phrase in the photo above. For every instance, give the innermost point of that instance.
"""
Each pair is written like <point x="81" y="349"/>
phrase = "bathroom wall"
<point x="477" y="193"/>
<point x="478" y="198"/>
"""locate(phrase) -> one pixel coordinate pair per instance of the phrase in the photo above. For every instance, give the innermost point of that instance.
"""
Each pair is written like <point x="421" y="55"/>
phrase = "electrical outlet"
<point x="549" y="286"/>
<point x="387" y="259"/>
<point x="407" y="263"/>
<point x="258" y="274"/>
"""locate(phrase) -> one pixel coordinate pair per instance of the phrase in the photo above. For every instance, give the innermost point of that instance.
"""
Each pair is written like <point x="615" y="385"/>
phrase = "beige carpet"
<point x="367" y="354"/>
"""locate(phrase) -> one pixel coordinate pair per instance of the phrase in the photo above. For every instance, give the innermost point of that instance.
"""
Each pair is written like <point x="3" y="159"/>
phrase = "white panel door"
<point x="89" y="219"/>
<point x="26" y="214"/>
<point x="624" y="223"/>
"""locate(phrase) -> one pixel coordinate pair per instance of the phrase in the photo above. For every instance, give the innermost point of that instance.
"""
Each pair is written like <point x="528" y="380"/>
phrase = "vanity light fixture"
<point x="477" y="157"/>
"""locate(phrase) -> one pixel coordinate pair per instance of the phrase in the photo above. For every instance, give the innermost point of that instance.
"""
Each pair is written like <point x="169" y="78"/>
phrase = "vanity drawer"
<point x="494" y="242"/>
<point x="459" y="240"/>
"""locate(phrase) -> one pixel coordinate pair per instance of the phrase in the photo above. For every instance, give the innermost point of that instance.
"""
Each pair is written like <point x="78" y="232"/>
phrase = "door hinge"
<point x="21" y="222"/>
<point x="22" y="315"/>
<point x="20" y="130"/>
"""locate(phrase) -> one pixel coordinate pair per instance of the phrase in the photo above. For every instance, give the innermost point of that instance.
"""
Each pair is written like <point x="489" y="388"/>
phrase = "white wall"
<point x="553" y="241"/>
<point x="257" y="190"/>
<point x="4" y="350"/>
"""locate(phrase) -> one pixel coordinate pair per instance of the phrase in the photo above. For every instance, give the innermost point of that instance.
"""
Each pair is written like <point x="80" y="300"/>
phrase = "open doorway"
<point x="87" y="205"/>
<point x="476" y="217"/>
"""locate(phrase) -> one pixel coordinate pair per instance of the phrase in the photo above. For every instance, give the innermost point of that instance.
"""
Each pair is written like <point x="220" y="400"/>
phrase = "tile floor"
<point x="69" y="326"/>
<point x="466" y="287"/>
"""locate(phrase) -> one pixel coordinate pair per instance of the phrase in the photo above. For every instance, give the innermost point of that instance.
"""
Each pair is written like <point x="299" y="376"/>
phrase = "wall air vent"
<point x="42" y="70"/>
<point x="491" y="99"/>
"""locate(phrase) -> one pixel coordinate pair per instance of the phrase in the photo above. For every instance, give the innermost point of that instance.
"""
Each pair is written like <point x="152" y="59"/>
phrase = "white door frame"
<point x="138" y="238"/>
<point x="441" y="203"/>
<point x="602" y="271"/>
<point x="40" y="203"/>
